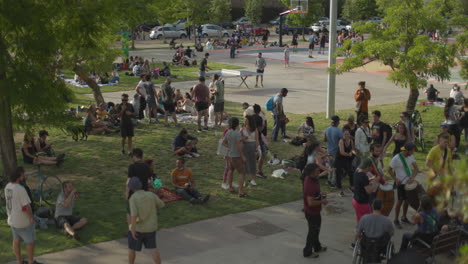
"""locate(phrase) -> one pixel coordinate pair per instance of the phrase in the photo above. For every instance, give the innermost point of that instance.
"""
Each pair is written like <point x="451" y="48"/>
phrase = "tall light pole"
<point x="331" y="60"/>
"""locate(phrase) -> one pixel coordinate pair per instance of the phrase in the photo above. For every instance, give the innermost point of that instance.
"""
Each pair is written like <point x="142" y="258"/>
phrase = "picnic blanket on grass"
<point x="72" y="82"/>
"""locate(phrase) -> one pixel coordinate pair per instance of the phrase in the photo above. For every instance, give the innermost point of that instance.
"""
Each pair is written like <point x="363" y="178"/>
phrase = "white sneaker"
<point x="188" y="156"/>
<point x="252" y="182"/>
<point x="225" y="186"/>
<point x="194" y="154"/>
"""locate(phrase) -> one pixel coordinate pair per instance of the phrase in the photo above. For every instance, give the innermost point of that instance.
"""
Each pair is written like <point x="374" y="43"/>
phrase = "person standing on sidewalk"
<point x="144" y="206"/>
<point x="278" y="115"/>
<point x="201" y="96"/>
<point x="313" y="200"/>
<point x="261" y="64"/>
<point x="362" y="97"/>
<point x="169" y="101"/>
<point x="20" y="216"/>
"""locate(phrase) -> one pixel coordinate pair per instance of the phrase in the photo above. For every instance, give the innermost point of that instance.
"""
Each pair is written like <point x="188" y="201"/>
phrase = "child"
<point x="307" y="128"/>
<point x="286" y="56"/>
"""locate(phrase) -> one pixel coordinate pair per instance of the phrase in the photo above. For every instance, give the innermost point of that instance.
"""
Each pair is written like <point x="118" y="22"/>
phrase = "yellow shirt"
<point x="181" y="177"/>
<point x="436" y="156"/>
<point x="101" y="114"/>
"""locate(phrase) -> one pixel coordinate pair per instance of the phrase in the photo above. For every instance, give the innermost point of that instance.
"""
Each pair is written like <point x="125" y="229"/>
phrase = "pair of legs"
<point x="311" y="51"/>
<point x="141" y="110"/>
<point x="45" y="160"/>
<point x="154" y="254"/>
<point x="149" y="240"/>
<point x="174" y="117"/>
<point x="238" y="165"/>
<point x="28" y="235"/>
<point x="204" y="114"/>
<point x="29" y="250"/>
<point x="343" y="168"/>
<point x="261" y="80"/>
<point x="261" y="160"/>
<point x="72" y="224"/>
<point x="183" y="150"/>
<point x="232" y="53"/>
<point x="401" y="200"/>
<point x="130" y="143"/>
<point x="455" y="130"/>
<point x="286" y="62"/>
<point x="152" y="112"/>
<point x="312" y="243"/>
<point x="188" y="194"/>
<point x="361" y="210"/>
<point x="279" y="124"/>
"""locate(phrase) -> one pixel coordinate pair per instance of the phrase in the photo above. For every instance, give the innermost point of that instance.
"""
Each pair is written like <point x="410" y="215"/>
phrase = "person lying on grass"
<point x="184" y="183"/>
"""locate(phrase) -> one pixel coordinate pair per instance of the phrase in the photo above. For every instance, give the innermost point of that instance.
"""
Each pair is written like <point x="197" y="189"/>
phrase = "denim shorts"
<point x="27" y="234"/>
<point x="149" y="239"/>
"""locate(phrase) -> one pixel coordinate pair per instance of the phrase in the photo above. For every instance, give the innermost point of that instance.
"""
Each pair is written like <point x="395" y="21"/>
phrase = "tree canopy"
<point x="355" y="10"/>
<point x="253" y="10"/>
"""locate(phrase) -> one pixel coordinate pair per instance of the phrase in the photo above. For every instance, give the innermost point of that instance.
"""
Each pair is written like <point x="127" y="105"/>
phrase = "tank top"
<point x="429" y="224"/>
<point x="250" y="135"/>
<point x="347" y="148"/>
<point x="464" y="119"/>
<point x="26" y="158"/>
<point x="399" y="143"/>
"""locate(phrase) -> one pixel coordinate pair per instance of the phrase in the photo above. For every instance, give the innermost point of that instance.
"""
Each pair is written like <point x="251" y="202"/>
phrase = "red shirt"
<point x="311" y="188"/>
<point x="201" y="93"/>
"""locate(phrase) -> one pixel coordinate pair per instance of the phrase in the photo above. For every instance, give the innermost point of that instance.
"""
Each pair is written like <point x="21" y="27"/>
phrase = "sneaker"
<point x="397" y="224"/>
<point x="225" y="186"/>
<point x="353" y="245"/>
<point x="252" y="182"/>
<point x="205" y="199"/>
<point x="322" y="249"/>
<point x="342" y="194"/>
<point x="123" y="152"/>
<point x="405" y="220"/>
<point x="199" y="130"/>
<point x="260" y="175"/>
<point x="311" y="255"/>
<point x="205" y="129"/>
<point x="188" y="156"/>
<point x="195" y="155"/>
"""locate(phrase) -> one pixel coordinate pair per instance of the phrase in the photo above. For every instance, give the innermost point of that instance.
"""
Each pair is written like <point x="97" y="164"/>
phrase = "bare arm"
<point x="38" y="146"/>
<point x="314" y="203"/>
<point x="26" y="152"/>
<point x="66" y="203"/>
<point x="388" y="144"/>
<point x="372" y="187"/>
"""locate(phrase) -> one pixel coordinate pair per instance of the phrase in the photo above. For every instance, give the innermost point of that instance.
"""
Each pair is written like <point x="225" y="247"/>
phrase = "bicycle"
<point x="48" y="187"/>
<point x="418" y="126"/>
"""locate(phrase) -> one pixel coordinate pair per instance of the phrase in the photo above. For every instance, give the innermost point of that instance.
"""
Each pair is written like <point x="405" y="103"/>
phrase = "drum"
<point x="414" y="191"/>
<point x="434" y="190"/>
<point x="387" y="195"/>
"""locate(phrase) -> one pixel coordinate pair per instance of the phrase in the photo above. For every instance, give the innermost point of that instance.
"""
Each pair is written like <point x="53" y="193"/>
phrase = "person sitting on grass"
<point x="64" y="211"/>
<point x="185" y="145"/>
<point x="94" y="126"/>
<point x="42" y="145"/>
<point x="30" y="154"/>
<point x="183" y="181"/>
<point x="307" y="128"/>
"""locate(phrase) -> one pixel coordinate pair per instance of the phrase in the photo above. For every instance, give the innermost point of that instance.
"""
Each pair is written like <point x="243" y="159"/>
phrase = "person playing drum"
<point x="401" y="172"/>
<point x="439" y="159"/>
<point x="377" y="169"/>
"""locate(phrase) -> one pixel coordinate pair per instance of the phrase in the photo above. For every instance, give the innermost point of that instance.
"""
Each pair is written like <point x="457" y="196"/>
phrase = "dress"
<point x="150" y="96"/>
<point x="398" y="145"/>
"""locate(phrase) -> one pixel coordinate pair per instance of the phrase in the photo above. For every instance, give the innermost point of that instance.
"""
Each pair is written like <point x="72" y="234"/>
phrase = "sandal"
<point x="243" y="195"/>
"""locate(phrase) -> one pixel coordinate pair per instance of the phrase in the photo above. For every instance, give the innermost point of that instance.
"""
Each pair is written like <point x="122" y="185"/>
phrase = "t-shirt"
<point x="141" y="88"/>
<point x="64" y="211"/>
<point x="201" y="93"/>
<point x="126" y="120"/>
<point x="377" y="132"/>
<point x="333" y="134"/>
<point x="167" y="93"/>
<point x="452" y="118"/>
<point x="16" y="197"/>
<point x="145" y="205"/>
<point x="375" y="226"/>
<point x="278" y="99"/>
<point x="399" y="169"/>
<point x="311" y="189"/>
<point x="436" y="155"/>
<point x="312" y="39"/>
<point x="306" y="129"/>
<point x="360" y="181"/>
<point x="364" y="101"/>
<point x="203" y="64"/>
<point x="101" y="114"/>
<point x="180" y="141"/>
<point x="136" y="70"/>
<point x="219" y="88"/>
<point x="457" y="95"/>
<point x="431" y="94"/>
<point x="232" y="137"/>
<point x="261" y="63"/>
<point x="142" y="171"/>
<point x="182" y="176"/>
<point x="188" y="52"/>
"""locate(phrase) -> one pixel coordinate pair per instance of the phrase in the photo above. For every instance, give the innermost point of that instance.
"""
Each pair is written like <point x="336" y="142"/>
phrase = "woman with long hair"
<point x="250" y="138"/>
<point x="31" y="156"/>
<point x="400" y="138"/>
<point x="344" y="160"/>
<point x="451" y="118"/>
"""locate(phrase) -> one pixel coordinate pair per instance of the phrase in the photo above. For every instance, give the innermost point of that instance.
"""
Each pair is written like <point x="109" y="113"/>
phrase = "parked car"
<point x="180" y="24"/>
<point x="241" y="21"/>
<point x="254" y="30"/>
<point x="377" y="20"/>
<point x="167" y="32"/>
<point x="227" y="25"/>
<point x="323" y="20"/>
<point x="287" y="30"/>
<point x="340" y="25"/>
<point x="211" y="30"/>
<point x="274" y="22"/>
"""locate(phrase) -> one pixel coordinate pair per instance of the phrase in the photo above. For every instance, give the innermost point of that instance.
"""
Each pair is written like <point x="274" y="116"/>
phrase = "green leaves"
<point x="253" y="11"/>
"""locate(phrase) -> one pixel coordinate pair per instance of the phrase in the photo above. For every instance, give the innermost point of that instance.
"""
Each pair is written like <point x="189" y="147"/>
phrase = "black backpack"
<point x="387" y="128"/>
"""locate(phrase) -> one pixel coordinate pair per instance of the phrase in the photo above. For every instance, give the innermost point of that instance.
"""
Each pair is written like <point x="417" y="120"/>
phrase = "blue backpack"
<point x="269" y="104"/>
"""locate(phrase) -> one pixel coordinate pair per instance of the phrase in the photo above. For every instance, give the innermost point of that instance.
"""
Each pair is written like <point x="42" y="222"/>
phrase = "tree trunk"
<point x="93" y="85"/>
<point x="412" y="99"/>
<point x="7" y="143"/>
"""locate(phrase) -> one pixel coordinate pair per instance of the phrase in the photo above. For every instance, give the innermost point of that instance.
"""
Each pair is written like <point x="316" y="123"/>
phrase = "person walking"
<point x="363" y="139"/>
<point x="20" y="216"/>
<point x="201" y="96"/>
<point x="261" y="64"/>
<point x="451" y="118"/>
<point x="286" y="56"/>
<point x="278" y="115"/>
<point x="362" y="97"/>
<point x="464" y="122"/>
<point x="168" y="101"/>
<point x="204" y="65"/>
<point x="141" y="91"/>
<point x="144" y="206"/>
<point x="312" y="40"/>
<point x="313" y="200"/>
<point x="125" y="111"/>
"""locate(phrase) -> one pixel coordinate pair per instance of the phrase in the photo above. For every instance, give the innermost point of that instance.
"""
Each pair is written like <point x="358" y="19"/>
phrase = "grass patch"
<point x="129" y="82"/>
<point x="99" y="173"/>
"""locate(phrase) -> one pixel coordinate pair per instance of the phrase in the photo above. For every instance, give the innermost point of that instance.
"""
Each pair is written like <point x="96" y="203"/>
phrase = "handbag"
<point x="358" y="106"/>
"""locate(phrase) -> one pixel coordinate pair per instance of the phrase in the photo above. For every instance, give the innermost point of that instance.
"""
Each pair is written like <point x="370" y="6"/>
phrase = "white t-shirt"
<point x="141" y="88"/>
<point x="400" y="172"/>
<point x="306" y="129"/>
<point x="16" y="197"/>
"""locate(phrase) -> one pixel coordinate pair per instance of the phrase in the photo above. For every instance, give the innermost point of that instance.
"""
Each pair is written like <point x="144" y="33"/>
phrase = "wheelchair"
<point x="373" y="250"/>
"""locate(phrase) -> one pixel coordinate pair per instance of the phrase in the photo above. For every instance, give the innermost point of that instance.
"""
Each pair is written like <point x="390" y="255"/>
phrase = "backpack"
<point x="387" y="128"/>
<point x="269" y="104"/>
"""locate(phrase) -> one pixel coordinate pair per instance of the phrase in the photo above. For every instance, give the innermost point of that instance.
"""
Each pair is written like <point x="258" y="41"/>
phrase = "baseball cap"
<point x="409" y="146"/>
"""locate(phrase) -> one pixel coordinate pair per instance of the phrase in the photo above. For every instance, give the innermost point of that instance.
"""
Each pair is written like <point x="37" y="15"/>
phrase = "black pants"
<point x="313" y="243"/>
<point x="344" y="167"/>
<point x="141" y="111"/>
<point x="455" y="130"/>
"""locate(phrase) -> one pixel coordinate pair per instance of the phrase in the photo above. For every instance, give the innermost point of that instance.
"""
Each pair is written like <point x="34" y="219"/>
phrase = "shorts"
<point x="401" y="193"/>
<point x="27" y="234"/>
<point x="169" y="107"/>
<point x="126" y="131"/>
<point x="201" y="106"/>
<point x="70" y="219"/>
<point x="311" y="46"/>
<point x="202" y="73"/>
<point x="149" y="239"/>
<point x="264" y="150"/>
<point x="260" y="71"/>
<point x="236" y="164"/>
<point x="361" y="210"/>
<point x="219" y="107"/>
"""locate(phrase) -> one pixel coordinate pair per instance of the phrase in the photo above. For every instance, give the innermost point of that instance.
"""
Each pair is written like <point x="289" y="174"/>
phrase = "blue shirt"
<point x="180" y="141"/>
<point x="312" y="39"/>
<point x="333" y="134"/>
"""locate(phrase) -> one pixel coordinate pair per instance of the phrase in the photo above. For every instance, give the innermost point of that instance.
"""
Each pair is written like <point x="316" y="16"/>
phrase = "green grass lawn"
<point x="129" y="82"/>
<point x="98" y="170"/>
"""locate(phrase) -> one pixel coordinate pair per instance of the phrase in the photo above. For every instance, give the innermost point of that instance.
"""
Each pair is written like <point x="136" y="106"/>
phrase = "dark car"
<point x="287" y="30"/>
<point x="148" y="26"/>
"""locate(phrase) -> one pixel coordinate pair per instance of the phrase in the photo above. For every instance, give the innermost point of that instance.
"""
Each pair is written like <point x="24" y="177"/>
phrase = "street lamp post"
<point x="331" y="60"/>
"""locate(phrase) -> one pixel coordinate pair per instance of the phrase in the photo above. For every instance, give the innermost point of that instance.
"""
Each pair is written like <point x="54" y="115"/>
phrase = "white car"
<point x="167" y="32"/>
<point x="340" y="25"/>
<point x="210" y="30"/>
<point x="241" y="21"/>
